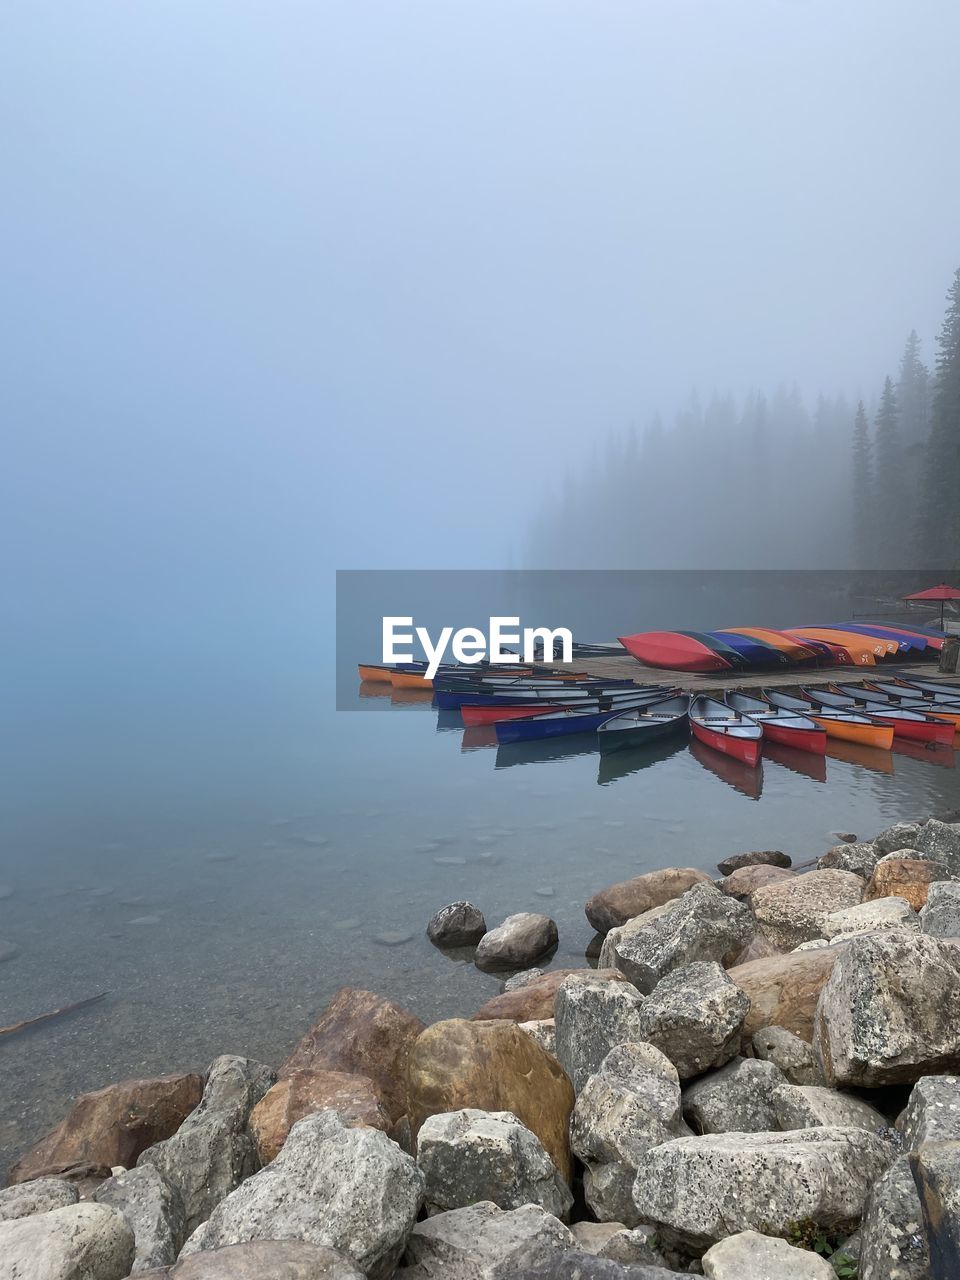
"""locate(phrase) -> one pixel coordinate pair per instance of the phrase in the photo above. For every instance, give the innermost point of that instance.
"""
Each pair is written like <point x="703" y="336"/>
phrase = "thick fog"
<point x="298" y="286"/>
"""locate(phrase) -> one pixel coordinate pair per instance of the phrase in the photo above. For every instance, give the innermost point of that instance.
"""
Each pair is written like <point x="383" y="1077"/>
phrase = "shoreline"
<point x="673" y="1024"/>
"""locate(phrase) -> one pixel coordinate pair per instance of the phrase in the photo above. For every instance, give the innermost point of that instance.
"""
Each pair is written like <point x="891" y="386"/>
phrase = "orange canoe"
<point x="379" y="675"/>
<point x="883" y="646"/>
<point x="409" y="680"/>
<point x="794" y="650"/>
<point x="867" y="735"/>
<point x="862" y="649"/>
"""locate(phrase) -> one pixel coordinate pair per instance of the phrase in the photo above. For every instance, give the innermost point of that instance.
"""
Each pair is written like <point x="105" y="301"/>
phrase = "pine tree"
<point x="888" y="480"/>
<point x="940" y="529"/>
<point x="863" y="499"/>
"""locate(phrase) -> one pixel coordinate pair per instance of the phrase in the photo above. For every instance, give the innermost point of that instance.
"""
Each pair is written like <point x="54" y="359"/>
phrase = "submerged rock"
<point x="350" y="1189"/>
<point x="492" y="1066"/>
<point x="517" y="942"/>
<point x="468" y="1156"/>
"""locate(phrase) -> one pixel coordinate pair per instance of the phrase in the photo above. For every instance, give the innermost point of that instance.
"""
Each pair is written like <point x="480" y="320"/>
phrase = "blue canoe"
<point x="903" y="638"/>
<point x="755" y="652"/>
<point x="554" y="724"/>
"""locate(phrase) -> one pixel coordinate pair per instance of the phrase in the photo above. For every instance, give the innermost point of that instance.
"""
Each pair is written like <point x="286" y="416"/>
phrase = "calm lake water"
<point x="220" y="853"/>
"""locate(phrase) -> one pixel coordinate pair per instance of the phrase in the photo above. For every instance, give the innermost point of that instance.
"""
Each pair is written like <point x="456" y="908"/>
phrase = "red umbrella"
<point x="941" y="593"/>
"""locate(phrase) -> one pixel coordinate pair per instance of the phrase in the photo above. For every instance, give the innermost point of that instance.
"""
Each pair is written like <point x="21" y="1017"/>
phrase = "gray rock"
<point x="39" y="1196"/>
<point x="631" y="1104"/>
<point x="869" y="917"/>
<point x="795" y="1058"/>
<point x="460" y="924"/>
<point x="860" y="858"/>
<point x="633" y="1247"/>
<point x="809" y="1106"/>
<point x="902" y="835"/>
<point x="544" y="1031"/>
<point x="792" y="911"/>
<point x="212" y="1152"/>
<point x="521" y="979"/>
<point x="765" y="857"/>
<point x="936" y="1173"/>
<point x="593" y="1016"/>
<point x="8" y="950"/>
<point x="591" y="1237"/>
<point x="932" y="1113"/>
<point x="517" y="942"/>
<point x="695" y="1016"/>
<point x="263" y="1260"/>
<point x="579" y="1265"/>
<point x="468" y="1156"/>
<point x="482" y="1242"/>
<point x="887" y="1012"/>
<point x="751" y="1256"/>
<point x="941" y="842"/>
<point x="940" y="917"/>
<point x="893" y="1243"/>
<point x="350" y="1189"/>
<point x="736" y="1099"/>
<point x="702" y="924"/>
<point x="696" y="1191"/>
<point x="153" y="1209"/>
<point x="78" y="1242"/>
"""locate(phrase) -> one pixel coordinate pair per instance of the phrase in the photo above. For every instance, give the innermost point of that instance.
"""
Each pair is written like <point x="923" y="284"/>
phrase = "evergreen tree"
<point x="888" y="480"/>
<point x="863" y="497"/>
<point x="940" y="499"/>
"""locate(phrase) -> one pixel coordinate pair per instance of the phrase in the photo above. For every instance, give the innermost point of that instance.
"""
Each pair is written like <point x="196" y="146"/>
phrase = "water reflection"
<point x="804" y="762"/>
<point x="745" y="778"/>
<point x="871" y="758"/>
<point x="615" y="765"/>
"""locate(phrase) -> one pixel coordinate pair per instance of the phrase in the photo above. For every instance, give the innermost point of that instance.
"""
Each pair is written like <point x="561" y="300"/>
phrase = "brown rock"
<point x="619" y="903"/>
<point x="356" y="1098"/>
<point x="908" y="878"/>
<point x="742" y="882"/>
<point x="758" y="948"/>
<point x="784" y="989"/>
<point x="111" y="1126"/>
<point x="493" y="1066"/>
<point x="534" y="1001"/>
<point x="361" y="1033"/>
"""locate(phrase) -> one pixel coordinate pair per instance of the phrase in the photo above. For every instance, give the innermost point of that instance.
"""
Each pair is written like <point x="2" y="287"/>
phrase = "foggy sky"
<point x="286" y="285"/>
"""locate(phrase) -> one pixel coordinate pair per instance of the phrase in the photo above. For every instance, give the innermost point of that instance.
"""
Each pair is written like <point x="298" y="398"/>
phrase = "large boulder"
<point x="904" y="877"/>
<point x="893" y="1242"/>
<point x="631" y="1104"/>
<point x="356" y="1099"/>
<point x="112" y="1126"/>
<point x="736" y="1099"/>
<point x="793" y="911"/>
<point x="39" y="1196"/>
<point x="492" y="1066"/>
<point x="940" y="841"/>
<point x="860" y="858"/>
<point x="902" y="835"/>
<point x="212" y="1151"/>
<point x="263" y="1260"/>
<point x="517" y="942"/>
<point x="810" y="1106"/>
<point x="460" y="924"/>
<point x="869" y="917"/>
<point x="152" y="1209"/>
<point x="77" y="1242"/>
<point x="887" y="1012"/>
<point x="940" y="914"/>
<point x="482" y="1241"/>
<point x="936" y="1172"/>
<point x="619" y="903"/>
<point x="742" y="882"/>
<point x="467" y="1156"/>
<point x="793" y="1056"/>
<point x="363" y="1034"/>
<point x="695" y="1016"/>
<point x="536" y="999"/>
<point x="696" y="1191"/>
<point x="592" y="1015"/>
<point x="703" y="924"/>
<point x="784" y="989"/>
<point x="932" y="1113"/>
<point x="350" y="1189"/>
<point x="751" y="1256"/>
<point x="756" y="858"/>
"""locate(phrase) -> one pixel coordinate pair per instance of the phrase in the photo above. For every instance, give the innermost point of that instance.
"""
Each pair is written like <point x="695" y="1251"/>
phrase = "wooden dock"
<point x="628" y="668"/>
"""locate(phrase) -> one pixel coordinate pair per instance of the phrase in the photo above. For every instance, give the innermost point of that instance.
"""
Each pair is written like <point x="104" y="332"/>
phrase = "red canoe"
<point x="674" y="651"/>
<point x="720" y="727"/>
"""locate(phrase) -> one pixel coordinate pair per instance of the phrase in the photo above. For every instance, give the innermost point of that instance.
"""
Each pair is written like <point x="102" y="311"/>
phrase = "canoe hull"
<point x="812" y="740"/>
<point x="640" y="735"/>
<point x="866" y="735"/>
<point x="409" y="680"/>
<point x="673" y="651"/>
<point x="746" y="750"/>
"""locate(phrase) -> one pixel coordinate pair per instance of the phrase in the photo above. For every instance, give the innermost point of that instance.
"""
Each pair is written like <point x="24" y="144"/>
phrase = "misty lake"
<point x="219" y="853"/>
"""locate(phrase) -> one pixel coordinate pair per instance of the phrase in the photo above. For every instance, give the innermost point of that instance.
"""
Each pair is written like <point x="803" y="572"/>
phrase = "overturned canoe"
<point x="673" y="650"/>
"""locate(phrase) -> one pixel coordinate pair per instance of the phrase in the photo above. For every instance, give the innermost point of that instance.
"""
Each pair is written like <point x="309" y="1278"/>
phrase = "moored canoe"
<point x="641" y="725"/>
<point x="716" y="725"/>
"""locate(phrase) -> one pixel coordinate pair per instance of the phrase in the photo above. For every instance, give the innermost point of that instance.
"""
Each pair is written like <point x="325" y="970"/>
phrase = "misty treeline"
<point x="775" y="481"/>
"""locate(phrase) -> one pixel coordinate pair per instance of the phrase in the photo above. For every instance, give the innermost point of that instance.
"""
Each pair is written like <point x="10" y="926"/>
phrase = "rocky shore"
<point x="754" y="1082"/>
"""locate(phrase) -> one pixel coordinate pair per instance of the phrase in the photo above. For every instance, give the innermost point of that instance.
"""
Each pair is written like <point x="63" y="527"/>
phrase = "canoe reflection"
<point x="745" y="778"/>
<point x="542" y="750"/>
<point x="805" y="762"/>
<point x="620" y="764"/>
<point x="855" y="753"/>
